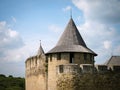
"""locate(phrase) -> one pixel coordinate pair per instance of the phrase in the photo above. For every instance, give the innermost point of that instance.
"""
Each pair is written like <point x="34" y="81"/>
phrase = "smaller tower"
<point x="36" y="71"/>
<point x="40" y="50"/>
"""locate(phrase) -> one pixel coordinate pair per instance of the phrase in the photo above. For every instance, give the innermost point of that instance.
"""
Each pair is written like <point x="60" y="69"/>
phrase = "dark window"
<point x="36" y="62"/>
<point x="85" y="56"/>
<point x="61" y="68"/>
<point x="46" y="59"/>
<point x="91" y="57"/>
<point x="71" y="57"/>
<point x="59" y="56"/>
<point x="50" y="57"/>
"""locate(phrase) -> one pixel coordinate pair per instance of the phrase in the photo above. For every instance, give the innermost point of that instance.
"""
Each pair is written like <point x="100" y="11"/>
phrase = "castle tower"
<point x="70" y="49"/>
<point x="35" y="77"/>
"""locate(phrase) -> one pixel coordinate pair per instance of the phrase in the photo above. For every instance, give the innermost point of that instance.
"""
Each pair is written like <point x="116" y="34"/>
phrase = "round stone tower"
<point x="70" y="49"/>
<point x="35" y="78"/>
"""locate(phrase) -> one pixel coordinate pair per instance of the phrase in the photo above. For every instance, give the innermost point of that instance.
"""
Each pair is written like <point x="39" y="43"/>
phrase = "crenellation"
<point x="35" y="65"/>
<point x="115" y="68"/>
<point x="101" y="68"/>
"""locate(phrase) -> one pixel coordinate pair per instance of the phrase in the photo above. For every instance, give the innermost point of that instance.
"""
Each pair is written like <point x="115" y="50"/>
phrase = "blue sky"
<point x="24" y="22"/>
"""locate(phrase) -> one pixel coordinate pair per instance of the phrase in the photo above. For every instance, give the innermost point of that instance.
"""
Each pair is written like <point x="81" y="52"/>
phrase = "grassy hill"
<point x="11" y="83"/>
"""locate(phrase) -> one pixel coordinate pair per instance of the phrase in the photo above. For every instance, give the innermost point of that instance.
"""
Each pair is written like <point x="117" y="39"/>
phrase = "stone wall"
<point x="60" y="73"/>
<point x="64" y="59"/>
<point x="68" y="81"/>
<point x="52" y="63"/>
<point x="68" y="68"/>
<point x="71" y="77"/>
<point x="83" y="58"/>
<point x="35" y="73"/>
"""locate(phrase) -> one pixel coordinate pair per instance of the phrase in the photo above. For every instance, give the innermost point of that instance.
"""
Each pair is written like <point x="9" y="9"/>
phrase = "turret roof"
<point x="71" y="41"/>
<point x="40" y="50"/>
<point x="71" y="36"/>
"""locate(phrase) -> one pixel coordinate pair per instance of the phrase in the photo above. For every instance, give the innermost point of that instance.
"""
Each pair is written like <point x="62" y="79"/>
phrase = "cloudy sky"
<point x="24" y="22"/>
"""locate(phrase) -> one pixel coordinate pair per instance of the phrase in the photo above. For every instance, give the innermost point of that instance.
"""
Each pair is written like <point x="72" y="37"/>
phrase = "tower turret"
<point x="36" y="71"/>
<point x="40" y="50"/>
<point x="70" y="49"/>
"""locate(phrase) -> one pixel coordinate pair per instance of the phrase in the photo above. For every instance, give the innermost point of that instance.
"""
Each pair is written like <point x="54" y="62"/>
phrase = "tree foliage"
<point x="11" y="83"/>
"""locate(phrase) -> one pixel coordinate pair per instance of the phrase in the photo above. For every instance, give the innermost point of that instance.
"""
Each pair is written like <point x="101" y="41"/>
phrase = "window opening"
<point x="61" y="68"/>
<point x="50" y="57"/>
<point x="59" y="56"/>
<point x="85" y="56"/>
<point x="71" y="57"/>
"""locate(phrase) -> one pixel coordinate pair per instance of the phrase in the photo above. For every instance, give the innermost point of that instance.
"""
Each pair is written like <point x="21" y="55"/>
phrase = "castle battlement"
<point x="65" y="64"/>
<point x="35" y="65"/>
<point x="85" y="68"/>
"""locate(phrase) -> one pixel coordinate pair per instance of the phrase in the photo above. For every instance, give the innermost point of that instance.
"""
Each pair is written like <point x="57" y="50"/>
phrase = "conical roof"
<point x="71" y="36"/>
<point x="40" y="51"/>
<point x="71" y="41"/>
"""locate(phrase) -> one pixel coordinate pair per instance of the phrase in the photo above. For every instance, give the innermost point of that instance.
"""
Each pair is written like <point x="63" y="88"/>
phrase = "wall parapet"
<point x="35" y="65"/>
<point x="68" y="68"/>
<point x="85" y="68"/>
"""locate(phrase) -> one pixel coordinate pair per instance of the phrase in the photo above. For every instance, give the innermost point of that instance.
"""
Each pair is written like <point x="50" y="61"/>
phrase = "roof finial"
<point x="71" y="12"/>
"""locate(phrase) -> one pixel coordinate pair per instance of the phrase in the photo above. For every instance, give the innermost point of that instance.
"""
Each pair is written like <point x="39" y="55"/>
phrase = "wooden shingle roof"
<point x="114" y="60"/>
<point x="71" y="41"/>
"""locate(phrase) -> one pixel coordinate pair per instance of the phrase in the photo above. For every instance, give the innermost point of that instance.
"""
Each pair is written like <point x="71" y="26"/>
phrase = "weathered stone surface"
<point x="36" y="78"/>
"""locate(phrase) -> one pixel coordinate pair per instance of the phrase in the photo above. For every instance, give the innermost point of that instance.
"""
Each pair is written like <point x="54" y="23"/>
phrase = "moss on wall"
<point x="107" y="81"/>
<point x="68" y="81"/>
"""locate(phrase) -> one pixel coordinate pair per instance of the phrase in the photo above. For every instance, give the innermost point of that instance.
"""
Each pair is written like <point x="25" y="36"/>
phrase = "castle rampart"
<point x="35" y="73"/>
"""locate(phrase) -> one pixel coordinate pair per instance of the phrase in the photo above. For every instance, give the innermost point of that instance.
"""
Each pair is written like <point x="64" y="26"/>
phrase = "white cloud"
<point x="100" y="10"/>
<point x="68" y="8"/>
<point x="94" y="29"/>
<point x="98" y="32"/>
<point x="107" y="44"/>
<point x="10" y="43"/>
<point x="100" y="38"/>
<point x="54" y="28"/>
<point x="13" y="51"/>
<point x="12" y="33"/>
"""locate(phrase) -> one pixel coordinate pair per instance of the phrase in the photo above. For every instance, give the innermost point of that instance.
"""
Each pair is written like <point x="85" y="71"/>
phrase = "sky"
<point x="23" y="23"/>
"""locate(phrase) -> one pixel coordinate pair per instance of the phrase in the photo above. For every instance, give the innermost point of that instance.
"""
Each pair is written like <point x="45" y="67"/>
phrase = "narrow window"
<point x="61" y="68"/>
<point x="36" y="62"/>
<point x="59" y="56"/>
<point x="91" y="57"/>
<point x="46" y="59"/>
<point x="71" y="57"/>
<point x="85" y="56"/>
<point x="50" y="57"/>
